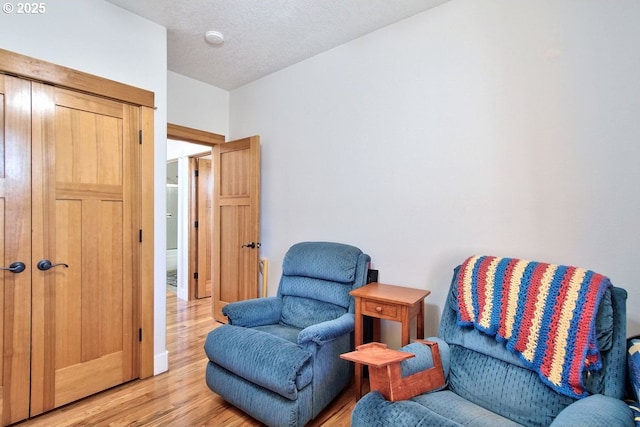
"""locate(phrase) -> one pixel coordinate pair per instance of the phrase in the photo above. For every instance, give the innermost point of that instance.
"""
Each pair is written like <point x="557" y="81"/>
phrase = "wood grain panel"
<point x="78" y="381"/>
<point x="87" y="102"/>
<point x="88" y="147"/>
<point x="74" y="191"/>
<point x="231" y="220"/>
<point x="90" y="301"/>
<point x="67" y="283"/>
<point x="232" y="163"/>
<point x="111" y="284"/>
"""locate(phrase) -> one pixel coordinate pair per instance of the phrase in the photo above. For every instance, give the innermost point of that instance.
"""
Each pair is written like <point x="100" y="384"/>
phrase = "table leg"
<point x="357" y="338"/>
<point x="420" y="322"/>
<point x="406" y="326"/>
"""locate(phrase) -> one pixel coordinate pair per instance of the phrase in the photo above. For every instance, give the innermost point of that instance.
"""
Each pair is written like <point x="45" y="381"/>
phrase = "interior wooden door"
<point x="204" y="199"/>
<point x="15" y="247"/>
<point x="86" y="215"/>
<point x="236" y="217"/>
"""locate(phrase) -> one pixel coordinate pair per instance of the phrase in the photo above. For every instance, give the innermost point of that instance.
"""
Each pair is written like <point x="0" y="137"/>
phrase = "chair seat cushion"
<point x="261" y="358"/>
<point x="503" y="388"/>
<point x="461" y="411"/>
<point x="289" y="333"/>
<point x="439" y="409"/>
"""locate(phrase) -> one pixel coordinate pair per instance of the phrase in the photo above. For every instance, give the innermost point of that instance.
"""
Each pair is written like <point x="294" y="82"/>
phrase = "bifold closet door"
<point x="15" y="248"/>
<point x="85" y="245"/>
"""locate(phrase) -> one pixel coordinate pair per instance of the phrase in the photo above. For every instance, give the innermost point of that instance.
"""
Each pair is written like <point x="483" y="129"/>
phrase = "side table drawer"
<point x="379" y="309"/>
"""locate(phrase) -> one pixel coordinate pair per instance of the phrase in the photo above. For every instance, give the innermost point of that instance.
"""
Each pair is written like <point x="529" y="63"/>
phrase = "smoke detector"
<point x="214" y="37"/>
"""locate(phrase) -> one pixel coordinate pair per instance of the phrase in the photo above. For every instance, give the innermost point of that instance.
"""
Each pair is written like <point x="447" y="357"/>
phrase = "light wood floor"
<point x="180" y="396"/>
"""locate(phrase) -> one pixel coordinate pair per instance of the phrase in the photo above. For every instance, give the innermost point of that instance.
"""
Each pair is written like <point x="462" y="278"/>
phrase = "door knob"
<point x="15" y="267"/>
<point x="45" y="264"/>
<point x="252" y="245"/>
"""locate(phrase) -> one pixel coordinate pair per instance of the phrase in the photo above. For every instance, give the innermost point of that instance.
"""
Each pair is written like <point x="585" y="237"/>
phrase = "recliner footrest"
<point x="264" y="359"/>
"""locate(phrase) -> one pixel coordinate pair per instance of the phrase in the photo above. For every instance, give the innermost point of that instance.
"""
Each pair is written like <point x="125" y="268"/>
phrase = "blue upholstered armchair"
<point x="278" y="358"/>
<point x="489" y="383"/>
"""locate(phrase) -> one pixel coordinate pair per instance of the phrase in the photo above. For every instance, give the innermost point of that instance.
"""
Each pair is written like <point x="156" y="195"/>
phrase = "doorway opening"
<point x="182" y="142"/>
<point x="181" y="205"/>
<point x="172" y="226"/>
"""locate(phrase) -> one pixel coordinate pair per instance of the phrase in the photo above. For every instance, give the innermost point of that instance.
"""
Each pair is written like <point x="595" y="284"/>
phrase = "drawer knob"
<point x="379" y="309"/>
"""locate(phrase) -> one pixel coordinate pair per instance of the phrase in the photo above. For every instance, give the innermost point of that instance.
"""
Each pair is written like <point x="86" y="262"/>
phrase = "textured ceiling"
<point x="262" y="36"/>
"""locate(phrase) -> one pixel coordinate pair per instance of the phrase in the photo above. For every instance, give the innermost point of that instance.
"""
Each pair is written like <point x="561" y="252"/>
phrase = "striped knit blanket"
<point x="545" y="313"/>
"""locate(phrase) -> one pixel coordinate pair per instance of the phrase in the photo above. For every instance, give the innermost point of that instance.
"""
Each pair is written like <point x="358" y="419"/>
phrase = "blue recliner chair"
<point x="278" y="358"/>
<point x="489" y="383"/>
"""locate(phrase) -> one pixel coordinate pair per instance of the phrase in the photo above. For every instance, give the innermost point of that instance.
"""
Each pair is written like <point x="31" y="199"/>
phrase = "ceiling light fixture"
<point x="214" y="37"/>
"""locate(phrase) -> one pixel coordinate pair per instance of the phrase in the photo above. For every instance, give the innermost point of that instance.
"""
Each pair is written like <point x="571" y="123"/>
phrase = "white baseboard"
<point x="161" y="363"/>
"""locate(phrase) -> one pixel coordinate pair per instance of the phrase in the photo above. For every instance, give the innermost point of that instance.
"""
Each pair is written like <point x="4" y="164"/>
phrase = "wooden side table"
<point x="388" y="302"/>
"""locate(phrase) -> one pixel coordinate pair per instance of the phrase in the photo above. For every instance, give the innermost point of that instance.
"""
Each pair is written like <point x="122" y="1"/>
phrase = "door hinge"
<point x="140" y="236"/>
<point x="195" y="275"/>
<point x="195" y="224"/>
<point x="196" y="173"/>
<point x="140" y="136"/>
<point x="140" y="334"/>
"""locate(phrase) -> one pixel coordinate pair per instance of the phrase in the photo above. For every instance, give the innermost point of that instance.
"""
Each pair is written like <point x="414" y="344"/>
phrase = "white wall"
<point x="101" y="39"/>
<point x="482" y="126"/>
<point x="197" y="105"/>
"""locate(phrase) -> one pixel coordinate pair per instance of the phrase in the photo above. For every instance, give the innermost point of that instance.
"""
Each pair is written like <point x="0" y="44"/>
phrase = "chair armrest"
<point x="324" y="332"/>
<point x="254" y="312"/>
<point x="595" y="410"/>
<point x="385" y="373"/>
<point x="423" y="357"/>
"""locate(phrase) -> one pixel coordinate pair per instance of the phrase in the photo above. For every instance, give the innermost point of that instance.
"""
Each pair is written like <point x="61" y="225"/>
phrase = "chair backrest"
<point x="486" y="373"/>
<point x="316" y="280"/>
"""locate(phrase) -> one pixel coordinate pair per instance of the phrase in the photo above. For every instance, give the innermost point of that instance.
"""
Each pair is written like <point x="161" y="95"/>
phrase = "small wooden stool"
<point x="385" y="374"/>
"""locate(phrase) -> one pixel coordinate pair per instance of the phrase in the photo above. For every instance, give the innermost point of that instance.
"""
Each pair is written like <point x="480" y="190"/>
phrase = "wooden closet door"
<point x="15" y="246"/>
<point x="85" y="215"/>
